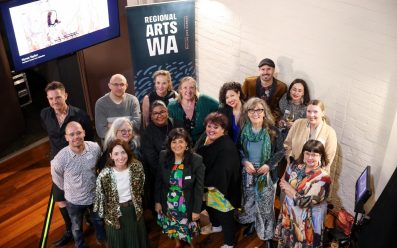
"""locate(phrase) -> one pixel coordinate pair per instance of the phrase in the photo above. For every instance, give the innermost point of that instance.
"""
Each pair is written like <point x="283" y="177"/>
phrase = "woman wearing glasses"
<point x="162" y="91"/>
<point x="153" y="141"/>
<point x="121" y="128"/>
<point x="306" y="184"/>
<point x="261" y="150"/>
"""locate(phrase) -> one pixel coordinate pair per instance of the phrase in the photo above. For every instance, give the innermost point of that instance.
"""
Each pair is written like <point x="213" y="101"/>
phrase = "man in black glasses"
<point x="116" y="103"/>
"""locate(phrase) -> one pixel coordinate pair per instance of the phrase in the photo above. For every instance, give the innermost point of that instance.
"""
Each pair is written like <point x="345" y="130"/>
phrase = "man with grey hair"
<point x="116" y="103"/>
<point x="73" y="171"/>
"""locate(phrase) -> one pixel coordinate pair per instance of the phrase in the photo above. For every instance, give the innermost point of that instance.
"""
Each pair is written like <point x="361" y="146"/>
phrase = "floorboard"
<point x="25" y="184"/>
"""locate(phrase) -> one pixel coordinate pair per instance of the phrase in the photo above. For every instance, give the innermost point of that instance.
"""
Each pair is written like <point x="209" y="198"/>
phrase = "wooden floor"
<point x="25" y="184"/>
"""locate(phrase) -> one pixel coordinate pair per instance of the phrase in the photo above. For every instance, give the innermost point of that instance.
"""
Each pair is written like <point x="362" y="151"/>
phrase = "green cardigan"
<point x="204" y="105"/>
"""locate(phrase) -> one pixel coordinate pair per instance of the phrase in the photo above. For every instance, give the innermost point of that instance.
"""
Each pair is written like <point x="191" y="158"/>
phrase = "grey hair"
<point x="112" y="132"/>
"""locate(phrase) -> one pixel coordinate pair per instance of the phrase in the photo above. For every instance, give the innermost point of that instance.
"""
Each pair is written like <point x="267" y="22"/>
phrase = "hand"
<point x="282" y="123"/>
<point x="249" y="168"/>
<point x="264" y="169"/>
<point x="195" y="216"/>
<point x="287" y="188"/>
<point x="158" y="208"/>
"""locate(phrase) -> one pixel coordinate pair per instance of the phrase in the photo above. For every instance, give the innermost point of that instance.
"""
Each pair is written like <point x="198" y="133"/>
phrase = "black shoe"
<point x="249" y="230"/>
<point x="269" y="243"/>
<point x="66" y="238"/>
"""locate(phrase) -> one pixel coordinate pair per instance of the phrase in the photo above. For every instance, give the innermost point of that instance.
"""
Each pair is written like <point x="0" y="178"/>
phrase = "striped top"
<point x="75" y="173"/>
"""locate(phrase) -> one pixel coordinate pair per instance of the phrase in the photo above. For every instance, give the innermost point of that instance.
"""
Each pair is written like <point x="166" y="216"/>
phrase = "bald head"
<point x="117" y="85"/>
<point x="74" y="134"/>
<point x="73" y="124"/>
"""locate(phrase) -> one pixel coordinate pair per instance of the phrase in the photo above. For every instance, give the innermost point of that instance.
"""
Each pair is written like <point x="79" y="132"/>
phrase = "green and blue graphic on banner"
<point x="162" y="36"/>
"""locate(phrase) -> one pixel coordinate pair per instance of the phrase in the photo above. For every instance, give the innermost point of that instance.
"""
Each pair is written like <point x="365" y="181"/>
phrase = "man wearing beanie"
<point x="266" y="86"/>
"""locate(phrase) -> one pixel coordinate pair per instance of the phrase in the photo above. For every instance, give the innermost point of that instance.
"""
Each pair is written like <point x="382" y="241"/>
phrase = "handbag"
<point x="344" y="221"/>
<point x="215" y="199"/>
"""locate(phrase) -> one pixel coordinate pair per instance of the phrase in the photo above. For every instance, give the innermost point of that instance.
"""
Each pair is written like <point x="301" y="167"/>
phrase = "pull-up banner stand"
<point x="162" y="36"/>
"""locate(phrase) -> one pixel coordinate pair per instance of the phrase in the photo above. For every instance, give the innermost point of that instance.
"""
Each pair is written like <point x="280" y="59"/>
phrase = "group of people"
<point x="195" y="156"/>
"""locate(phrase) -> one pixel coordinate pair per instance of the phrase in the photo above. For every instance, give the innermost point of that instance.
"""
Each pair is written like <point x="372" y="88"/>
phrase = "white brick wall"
<point x="347" y="52"/>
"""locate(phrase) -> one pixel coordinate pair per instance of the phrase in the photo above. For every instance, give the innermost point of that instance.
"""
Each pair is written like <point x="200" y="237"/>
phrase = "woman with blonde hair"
<point x="191" y="108"/>
<point x="163" y="91"/>
<point x="314" y="126"/>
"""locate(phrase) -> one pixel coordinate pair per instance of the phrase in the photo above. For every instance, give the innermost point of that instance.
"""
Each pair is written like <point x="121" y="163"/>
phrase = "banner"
<point x="162" y="36"/>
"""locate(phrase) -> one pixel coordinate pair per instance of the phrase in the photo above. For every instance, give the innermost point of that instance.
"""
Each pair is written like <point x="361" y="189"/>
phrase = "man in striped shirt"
<point x="73" y="170"/>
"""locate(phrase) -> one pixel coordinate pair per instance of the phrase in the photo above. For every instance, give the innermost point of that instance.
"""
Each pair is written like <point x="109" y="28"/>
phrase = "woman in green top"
<point x="191" y="108"/>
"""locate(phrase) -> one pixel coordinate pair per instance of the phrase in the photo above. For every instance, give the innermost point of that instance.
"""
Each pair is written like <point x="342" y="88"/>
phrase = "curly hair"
<point x="235" y="86"/>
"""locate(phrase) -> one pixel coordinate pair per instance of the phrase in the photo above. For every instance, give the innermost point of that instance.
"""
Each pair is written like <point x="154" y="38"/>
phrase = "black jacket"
<point x="192" y="186"/>
<point x="153" y="141"/>
<point x="222" y="167"/>
<point x="56" y="133"/>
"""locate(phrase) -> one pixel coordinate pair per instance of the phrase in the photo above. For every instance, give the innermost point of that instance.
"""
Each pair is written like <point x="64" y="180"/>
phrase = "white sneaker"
<point x="208" y="229"/>
<point x="227" y="246"/>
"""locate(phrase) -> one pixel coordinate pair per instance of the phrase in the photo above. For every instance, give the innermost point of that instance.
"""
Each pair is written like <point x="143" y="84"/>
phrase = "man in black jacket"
<point x="54" y="119"/>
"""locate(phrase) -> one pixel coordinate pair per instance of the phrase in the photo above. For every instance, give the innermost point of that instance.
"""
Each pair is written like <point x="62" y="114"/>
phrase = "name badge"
<point x="89" y="156"/>
<point x="188" y="177"/>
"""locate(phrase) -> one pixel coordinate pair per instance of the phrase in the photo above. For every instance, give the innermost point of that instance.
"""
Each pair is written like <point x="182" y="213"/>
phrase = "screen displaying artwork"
<point x="38" y="31"/>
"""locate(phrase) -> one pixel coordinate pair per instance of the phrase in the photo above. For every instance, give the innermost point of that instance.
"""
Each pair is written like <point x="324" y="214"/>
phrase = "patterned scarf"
<point x="247" y="134"/>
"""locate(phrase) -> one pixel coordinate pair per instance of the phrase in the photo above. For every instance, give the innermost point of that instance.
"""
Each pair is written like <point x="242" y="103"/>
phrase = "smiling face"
<point x="74" y="135"/>
<point x="188" y="90"/>
<point x="232" y="98"/>
<point x="214" y="131"/>
<point x="124" y="133"/>
<point x="161" y="85"/>
<point x="178" y="147"/>
<point x="256" y="115"/>
<point x="119" y="156"/>
<point x="311" y="159"/>
<point x="314" y="115"/>
<point x="296" y="93"/>
<point x="159" y="116"/>
<point x="266" y="73"/>
<point x="57" y="99"/>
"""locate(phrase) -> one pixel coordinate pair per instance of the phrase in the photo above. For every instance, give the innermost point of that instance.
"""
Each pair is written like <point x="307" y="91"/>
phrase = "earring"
<point x="187" y="148"/>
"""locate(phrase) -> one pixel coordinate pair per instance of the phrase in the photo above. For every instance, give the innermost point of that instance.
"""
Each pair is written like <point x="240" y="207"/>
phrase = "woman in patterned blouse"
<point x="179" y="188"/>
<point x="306" y="184"/>
<point x="118" y="197"/>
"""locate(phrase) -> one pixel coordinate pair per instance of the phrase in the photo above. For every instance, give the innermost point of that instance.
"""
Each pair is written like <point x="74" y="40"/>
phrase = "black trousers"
<point x="226" y="220"/>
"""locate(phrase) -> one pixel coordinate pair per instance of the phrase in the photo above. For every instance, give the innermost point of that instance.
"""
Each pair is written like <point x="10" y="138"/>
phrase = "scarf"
<point x="247" y="135"/>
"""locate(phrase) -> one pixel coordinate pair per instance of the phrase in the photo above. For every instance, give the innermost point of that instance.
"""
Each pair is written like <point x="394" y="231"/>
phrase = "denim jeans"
<point x="76" y="213"/>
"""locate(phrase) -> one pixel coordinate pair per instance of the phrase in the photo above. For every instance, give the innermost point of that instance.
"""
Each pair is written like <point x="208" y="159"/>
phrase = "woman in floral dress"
<point x="306" y="184"/>
<point x="179" y="188"/>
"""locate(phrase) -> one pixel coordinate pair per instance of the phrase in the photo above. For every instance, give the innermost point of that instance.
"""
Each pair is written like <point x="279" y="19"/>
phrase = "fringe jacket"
<point x="106" y="201"/>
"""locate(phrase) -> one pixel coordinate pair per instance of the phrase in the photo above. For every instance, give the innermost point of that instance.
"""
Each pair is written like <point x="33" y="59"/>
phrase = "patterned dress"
<point x="175" y="223"/>
<point x="300" y="222"/>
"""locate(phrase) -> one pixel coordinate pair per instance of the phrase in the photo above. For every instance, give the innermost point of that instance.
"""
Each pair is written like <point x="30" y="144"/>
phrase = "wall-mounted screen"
<point x="39" y="31"/>
<point x="363" y="190"/>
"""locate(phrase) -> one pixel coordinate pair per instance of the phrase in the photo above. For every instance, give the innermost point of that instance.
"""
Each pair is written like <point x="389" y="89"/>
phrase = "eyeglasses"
<point x="72" y="134"/>
<point x="159" y="113"/>
<point x="125" y="131"/>
<point x="118" y="85"/>
<point x="311" y="154"/>
<point x="257" y="111"/>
